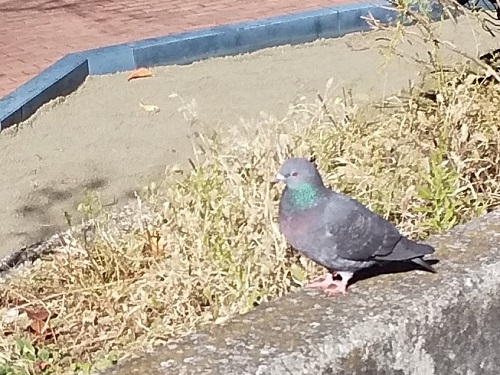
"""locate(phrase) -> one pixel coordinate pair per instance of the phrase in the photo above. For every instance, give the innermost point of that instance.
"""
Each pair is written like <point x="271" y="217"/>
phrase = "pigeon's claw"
<point x="336" y="288"/>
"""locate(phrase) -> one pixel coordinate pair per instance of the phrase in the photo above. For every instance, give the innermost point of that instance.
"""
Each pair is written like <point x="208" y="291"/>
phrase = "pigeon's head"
<point x="297" y="172"/>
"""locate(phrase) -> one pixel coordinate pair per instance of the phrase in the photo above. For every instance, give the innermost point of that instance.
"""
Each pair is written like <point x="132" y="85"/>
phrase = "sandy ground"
<point x="100" y="138"/>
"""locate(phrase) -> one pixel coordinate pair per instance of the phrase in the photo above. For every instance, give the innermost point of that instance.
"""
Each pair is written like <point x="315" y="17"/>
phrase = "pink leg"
<point x="333" y="287"/>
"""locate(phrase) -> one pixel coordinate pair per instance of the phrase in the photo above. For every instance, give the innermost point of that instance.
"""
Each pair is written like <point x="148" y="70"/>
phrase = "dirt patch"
<point x="100" y="138"/>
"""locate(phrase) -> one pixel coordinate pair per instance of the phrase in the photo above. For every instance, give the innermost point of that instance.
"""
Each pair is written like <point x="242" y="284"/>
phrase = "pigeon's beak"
<point x="279" y="177"/>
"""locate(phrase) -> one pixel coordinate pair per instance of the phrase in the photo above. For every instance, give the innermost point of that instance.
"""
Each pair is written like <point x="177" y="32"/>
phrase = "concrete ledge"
<point x="69" y="72"/>
<point x="404" y="323"/>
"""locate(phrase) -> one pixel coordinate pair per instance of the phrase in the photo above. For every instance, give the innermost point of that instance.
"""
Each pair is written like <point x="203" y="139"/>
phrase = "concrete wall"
<point x="401" y="323"/>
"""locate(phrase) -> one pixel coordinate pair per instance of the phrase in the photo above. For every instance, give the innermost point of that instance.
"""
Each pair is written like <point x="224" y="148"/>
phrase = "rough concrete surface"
<point x="100" y="138"/>
<point x="403" y="323"/>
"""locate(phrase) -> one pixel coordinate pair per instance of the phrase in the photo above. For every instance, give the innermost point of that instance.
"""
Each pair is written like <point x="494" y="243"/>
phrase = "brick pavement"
<point x="35" y="33"/>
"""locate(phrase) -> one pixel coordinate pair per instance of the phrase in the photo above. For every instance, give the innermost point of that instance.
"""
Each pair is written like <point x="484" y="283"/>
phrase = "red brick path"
<point x="35" y="33"/>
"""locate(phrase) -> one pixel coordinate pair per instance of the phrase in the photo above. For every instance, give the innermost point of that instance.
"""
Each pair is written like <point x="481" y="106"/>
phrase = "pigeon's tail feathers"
<point x="422" y="263"/>
<point x="415" y="248"/>
<point x="407" y="249"/>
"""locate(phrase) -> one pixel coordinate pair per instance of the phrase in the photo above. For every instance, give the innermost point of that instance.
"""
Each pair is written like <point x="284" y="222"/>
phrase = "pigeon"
<point x="336" y="231"/>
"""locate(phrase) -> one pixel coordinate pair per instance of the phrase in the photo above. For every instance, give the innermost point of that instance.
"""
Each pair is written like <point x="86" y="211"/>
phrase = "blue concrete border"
<point x="59" y="79"/>
<point x="68" y="73"/>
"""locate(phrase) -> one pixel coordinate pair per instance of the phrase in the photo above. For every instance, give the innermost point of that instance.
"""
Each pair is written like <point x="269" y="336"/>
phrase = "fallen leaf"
<point x="140" y="73"/>
<point x="39" y="323"/>
<point x="40" y="366"/>
<point x="38" y="326"/>
<point x="150" y="107"/>
<point x="37" y="314"/>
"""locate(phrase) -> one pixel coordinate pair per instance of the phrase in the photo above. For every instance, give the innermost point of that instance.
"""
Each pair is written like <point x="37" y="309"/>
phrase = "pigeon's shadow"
<point x="388" y="268"/>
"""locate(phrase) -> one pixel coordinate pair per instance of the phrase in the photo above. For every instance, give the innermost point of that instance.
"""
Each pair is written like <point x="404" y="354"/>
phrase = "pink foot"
<point x="336" y="288"/>
<point x="330" y="286"/>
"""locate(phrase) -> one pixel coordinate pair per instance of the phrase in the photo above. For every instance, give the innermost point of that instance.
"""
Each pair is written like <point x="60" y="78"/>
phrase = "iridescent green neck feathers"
<point x="303" y="196"/>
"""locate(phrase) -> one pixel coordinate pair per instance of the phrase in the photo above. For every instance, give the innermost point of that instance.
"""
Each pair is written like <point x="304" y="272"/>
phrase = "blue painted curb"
<point x="61" y="78"/>
<point x="68" y="73"/>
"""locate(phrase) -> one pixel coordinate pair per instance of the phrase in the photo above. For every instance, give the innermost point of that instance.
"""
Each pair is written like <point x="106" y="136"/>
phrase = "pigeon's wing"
<point x="359" y="234"/>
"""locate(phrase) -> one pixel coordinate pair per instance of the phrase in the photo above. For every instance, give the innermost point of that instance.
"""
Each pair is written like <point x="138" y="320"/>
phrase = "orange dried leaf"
<point x="140" y="73"/>
<point x="37" y="314"/>
<point x="41" y="330"/>
<point x="38" y="321"/>
<point x="38" y="327"/>
<point x="40" y="366"/>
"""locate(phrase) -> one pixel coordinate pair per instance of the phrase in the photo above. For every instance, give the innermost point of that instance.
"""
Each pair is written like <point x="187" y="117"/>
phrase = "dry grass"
<point x="204" y="246"/>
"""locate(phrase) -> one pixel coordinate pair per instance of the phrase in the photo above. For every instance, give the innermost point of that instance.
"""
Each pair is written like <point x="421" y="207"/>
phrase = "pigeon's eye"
<point x="295" y="174"/>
